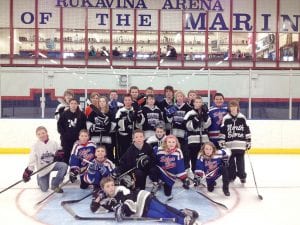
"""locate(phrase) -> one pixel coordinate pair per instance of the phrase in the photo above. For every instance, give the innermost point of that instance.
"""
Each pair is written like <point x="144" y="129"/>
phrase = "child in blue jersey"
<point x="171" y="165"/>
<point x="216" y="113"/>
<point x="210" y="165"/>
<point x="140" y="203"/>
<point x="83" y="149"/>
<point x="100" y="167"/>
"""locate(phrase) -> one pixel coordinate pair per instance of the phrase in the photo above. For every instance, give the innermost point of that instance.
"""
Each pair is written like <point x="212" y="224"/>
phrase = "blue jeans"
<point x="43" y="182"/>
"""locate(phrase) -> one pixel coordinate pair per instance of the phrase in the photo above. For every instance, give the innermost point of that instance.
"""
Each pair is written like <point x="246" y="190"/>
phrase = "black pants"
<point x="67" y="146"/>
<point x="141" y="176"/>
<point x="185" y="152"/>
<point x="193" y="153"/>
<point x="124" y="143"/>
<point x="237" y="165"/>
<point x="109" y="152"/>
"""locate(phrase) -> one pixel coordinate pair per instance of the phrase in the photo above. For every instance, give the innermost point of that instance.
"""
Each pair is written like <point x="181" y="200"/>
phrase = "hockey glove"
<point x="113" y="105"/>
<point x="109" y="203"/>
<point x="94" y="206"/>
<point x="186" y="183"/>
<point x="222" y="144"/>
<point x="98" y="167"/>
<point x="139" y="116"/>
<point x="248" y="146"/>
<point x="171" y="110"/>
<point x="73" y="174"/>
<point x="196" y="122"/>
<point x="141" y="99"/>
<point x="204" y="116"/>
<point x="27" y="174"/>
<point x="197" y="181"/>
<point x="59" y="156"/>
<point x="119" y="212"/>
<point x="143" y="162"/>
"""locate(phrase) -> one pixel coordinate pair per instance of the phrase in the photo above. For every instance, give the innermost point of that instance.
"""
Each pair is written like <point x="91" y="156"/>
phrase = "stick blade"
<point x="260" y="197"/>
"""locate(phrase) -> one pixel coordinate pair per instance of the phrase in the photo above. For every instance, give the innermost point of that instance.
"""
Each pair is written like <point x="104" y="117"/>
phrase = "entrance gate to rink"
<point x="263" y="94"/>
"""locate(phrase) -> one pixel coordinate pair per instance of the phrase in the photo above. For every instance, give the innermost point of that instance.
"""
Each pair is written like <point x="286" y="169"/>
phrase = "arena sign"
<point x="193" y="15"/>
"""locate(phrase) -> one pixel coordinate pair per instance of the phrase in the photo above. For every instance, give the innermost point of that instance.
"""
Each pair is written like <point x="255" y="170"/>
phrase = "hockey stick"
<point x="213" y="201"/>
<point x="52" y="193"/>
<point x="65" y="205"/>
<point x="76" y="200"/>
<point x="258" y="195"/>
<point x="20" y="181"/>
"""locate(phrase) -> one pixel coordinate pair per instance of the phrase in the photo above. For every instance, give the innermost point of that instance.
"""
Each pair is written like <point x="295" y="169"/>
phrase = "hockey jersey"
<point x="99" y="126"/>
<point x="69" y="124"/>
<point x="235" y="132"/>
<point x="42" y="154"/>
<point x="94" y="176"/>
<point x="125" y="121"/>
<point x="79" y="152"/>
<point x="210" y="167"/>
<point x="171" y="165"/>
<point x="216" y="115"/>
<point x="196" y="128"/>
<point x="129" y="159"/>
<point x="163" y="106"/>
<point x="150" y="117"/>
<point x="177" y="120"/>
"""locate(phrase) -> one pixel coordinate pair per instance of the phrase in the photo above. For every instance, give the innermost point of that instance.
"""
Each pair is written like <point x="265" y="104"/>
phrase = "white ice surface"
<point x="277" y="178"/>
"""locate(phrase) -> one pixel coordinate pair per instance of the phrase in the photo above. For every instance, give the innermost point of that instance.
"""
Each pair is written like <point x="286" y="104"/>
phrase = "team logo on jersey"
<point x="72" y="123"/>
<point x="168" y="161"/>
<point x="47" y="157"/>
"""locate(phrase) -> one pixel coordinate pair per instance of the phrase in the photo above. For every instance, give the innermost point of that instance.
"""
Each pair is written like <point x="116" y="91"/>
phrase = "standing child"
<point x="216" y="113"/>
<point x="43" y="153"/>
<point x="171" y="165"/>
<point x="64" y="103"/>
<point x="235" y="135"/>
<point x="82" y="149"/>
<point x="150" y="116"/>
<point x="197" y="121"/>
<point x="166" y="104"/>
<point x="176" y="116"/>
<point x="100" y="167"/>
<point x="126" y="119"/>
<point x="99" y="125"/>
<point x="69" y="125"/>
<point x="211" y="165"/>
<point x="138" y="204"/>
